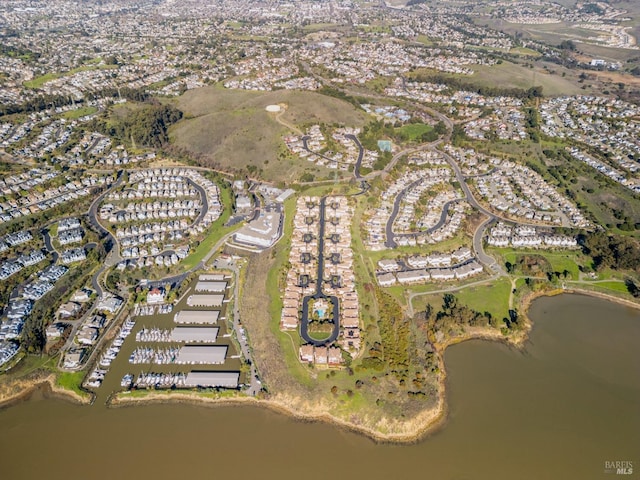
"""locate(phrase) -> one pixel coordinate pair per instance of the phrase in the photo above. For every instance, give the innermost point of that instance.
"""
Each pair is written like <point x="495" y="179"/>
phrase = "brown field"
<point x="230" y="129"/>
<point x="512" y="75"/>
<point x="553" y="34"/>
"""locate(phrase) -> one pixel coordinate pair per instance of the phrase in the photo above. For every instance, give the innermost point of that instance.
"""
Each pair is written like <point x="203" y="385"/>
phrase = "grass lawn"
<point x="78" y="113"/>
<point x="413" y="132"/>
<point x="290" y="341"/>
<point x="508" y="74"/>
<point x="216" y="232"/>
<point x="315" y="27"/>
<point x="615" y="286"/>
<point x="424" y="39"/>
<point x="71" y="381"/>
<point x="41" y="80"/>
<point x="612" y="285"/>
<point x="492" y="298"/>
<point x="525" y="52"/>
<point x="319" y="335"/>
<point x="560" y="261"/>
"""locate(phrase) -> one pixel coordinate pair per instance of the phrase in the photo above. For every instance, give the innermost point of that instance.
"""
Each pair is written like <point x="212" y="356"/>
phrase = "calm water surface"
<point x="557" y="410"/>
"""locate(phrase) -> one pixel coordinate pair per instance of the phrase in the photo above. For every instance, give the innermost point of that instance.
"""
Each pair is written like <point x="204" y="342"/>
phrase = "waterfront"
<point x="558" y="409"/>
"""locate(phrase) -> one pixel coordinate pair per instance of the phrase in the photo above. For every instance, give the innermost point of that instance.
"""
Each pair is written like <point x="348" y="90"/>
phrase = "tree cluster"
<point x="146" y="126"/>
<point x="611" y="251"/>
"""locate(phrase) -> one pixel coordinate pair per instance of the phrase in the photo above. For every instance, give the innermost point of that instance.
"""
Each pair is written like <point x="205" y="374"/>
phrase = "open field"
<point x="560" y="261"/>
<point x="492" y="297"/>
<point x="78" y="113"/>
<point x="413" y="132"/>
<point x="509" y="74"/>
<point x="71" y="381"/>
<point x="555" y="33"/>
<point x="232" y="130"/>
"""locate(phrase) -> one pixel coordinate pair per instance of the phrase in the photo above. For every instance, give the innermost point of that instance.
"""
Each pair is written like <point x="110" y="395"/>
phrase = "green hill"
<point x="231" y="130"/>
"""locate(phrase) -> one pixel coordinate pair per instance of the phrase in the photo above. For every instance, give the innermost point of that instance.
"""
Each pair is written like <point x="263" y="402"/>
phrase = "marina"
<point x="197" y="317"/>
<point x="171" y="338"/>
<point x="148" y="310"/>
<point x="97" y="375"/>
<point x="160" y="380"/>
<point x="178" y="335"/>
<point x="188" y="355"/>
<point x="502" y="403"/>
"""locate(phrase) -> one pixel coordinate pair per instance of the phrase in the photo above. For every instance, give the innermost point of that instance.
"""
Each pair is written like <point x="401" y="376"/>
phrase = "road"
<point x="305" y="141"/>
<point x="49" y="245"/>
<point x="390" y="235"/>
<point x="205" y="202"/>
<point x="487" y="260"/>
<point x="390" y="242"/>
<point x="356" y="169"/>
<point x="304" y="318"/>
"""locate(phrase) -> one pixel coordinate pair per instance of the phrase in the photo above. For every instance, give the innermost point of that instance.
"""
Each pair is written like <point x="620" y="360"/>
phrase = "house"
<point x="81" y="296"/>
<point x="386" y="279"/>
<point x="334" y="356"/>
<point x="155" y="295"/>
<point x="109" y="304"/>
<point x="73" y="255"/>
<point x="68" y="309"/>
<point x="68" y="224"/>
<point x="442" y="274"/>
<point x="321" y="356"/>
<point x="306" y="353"/>
<point x="388" y="265"/>
<point x="74" y="357"/>
<point x="70" y="236"/>
<point x="413" y="276"/>
<point x="88" y="335"/>
<point x="55" y="330"/>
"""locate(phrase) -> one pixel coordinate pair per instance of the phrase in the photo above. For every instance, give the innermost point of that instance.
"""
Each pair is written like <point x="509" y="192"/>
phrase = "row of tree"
<point x="490" y="91"/>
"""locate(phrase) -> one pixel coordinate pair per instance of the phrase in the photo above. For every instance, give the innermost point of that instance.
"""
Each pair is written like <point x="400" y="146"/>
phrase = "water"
<point x="558" y="410"/>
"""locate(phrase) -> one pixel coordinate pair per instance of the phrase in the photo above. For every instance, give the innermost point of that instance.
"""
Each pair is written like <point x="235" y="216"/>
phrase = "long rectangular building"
<point x="205" y="300"/>
<point x="211" y="287"/>
<point x="197" y="317"/>
<point x="202" y="354"/>
<point x="211" y="277"/>
<point x="194" y="334"/>
<point x="213" y="379"/>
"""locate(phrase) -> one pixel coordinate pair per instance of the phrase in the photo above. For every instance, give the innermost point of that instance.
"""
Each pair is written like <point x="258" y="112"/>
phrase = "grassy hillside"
<point x="230" y="129"/>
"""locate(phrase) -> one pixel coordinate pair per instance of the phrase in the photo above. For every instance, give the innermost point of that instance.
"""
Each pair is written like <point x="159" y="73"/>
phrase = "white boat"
<point x="127" y="380"/>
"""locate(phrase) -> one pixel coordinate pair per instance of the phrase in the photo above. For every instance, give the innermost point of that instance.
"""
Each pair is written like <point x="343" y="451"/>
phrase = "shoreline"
<point x="48" y="385"/>
<point x="426" y="423"/>
<point x="436" y="416"/>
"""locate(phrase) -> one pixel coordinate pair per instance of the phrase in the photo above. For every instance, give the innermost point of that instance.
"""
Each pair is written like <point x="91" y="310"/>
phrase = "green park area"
<point x="415" y="132"/>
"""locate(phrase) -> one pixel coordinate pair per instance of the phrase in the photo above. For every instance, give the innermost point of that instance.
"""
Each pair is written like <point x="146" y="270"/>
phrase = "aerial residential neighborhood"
<point x="302" y="205"/>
